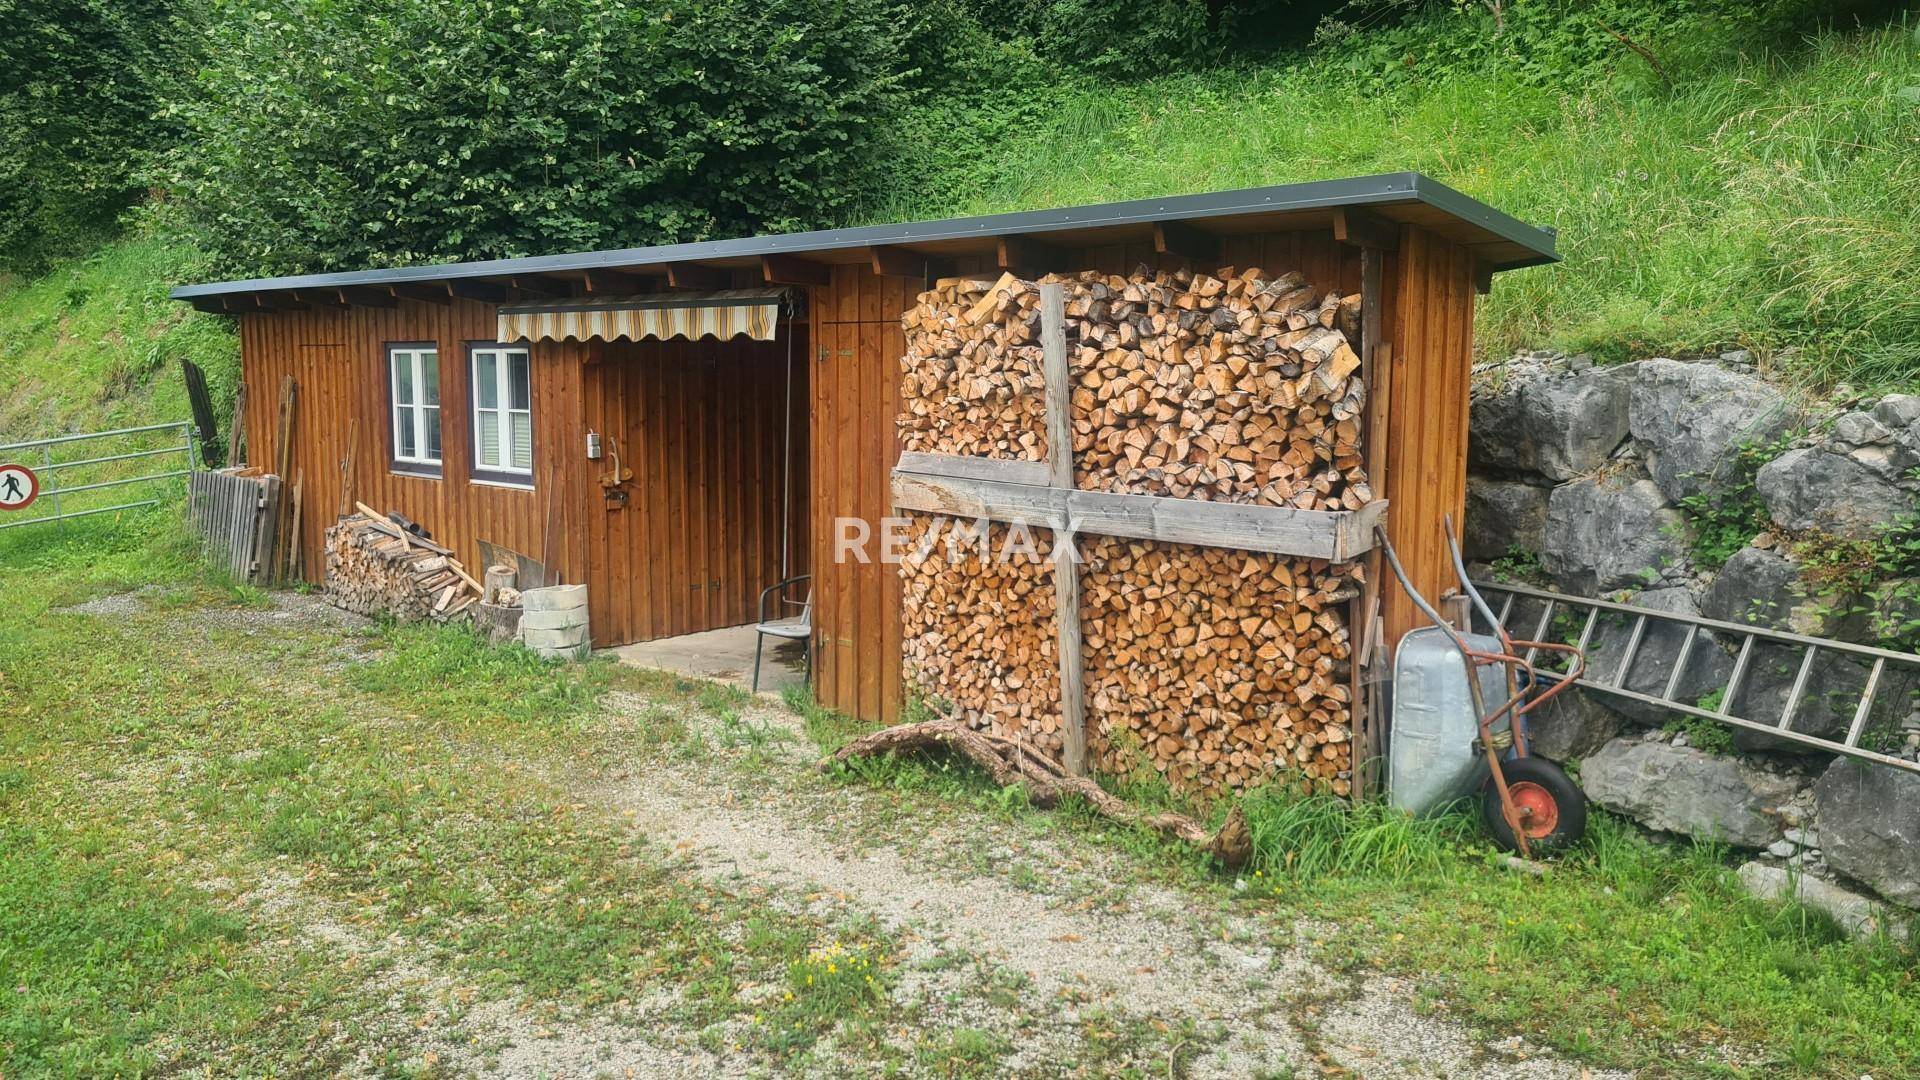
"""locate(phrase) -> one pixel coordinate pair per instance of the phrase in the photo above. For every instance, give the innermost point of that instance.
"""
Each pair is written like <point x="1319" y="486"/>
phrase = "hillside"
<point x="96" y="344"/>
<point x="1730" y="190"/>
<point x="1765" y="198"/>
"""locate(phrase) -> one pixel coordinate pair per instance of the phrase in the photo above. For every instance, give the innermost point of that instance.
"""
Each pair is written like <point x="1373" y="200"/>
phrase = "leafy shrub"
<point x="80" y="84"/>
<point x="379" y="132"/>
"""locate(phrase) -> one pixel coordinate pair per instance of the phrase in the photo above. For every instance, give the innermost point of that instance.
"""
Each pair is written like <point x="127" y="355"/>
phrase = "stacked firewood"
<point x="971" y="377"/>
<point x="373" y="566"/>
<point x="1231" y="388"/>
<point x="979" y="624"/>
<point x="1217" y="668"/>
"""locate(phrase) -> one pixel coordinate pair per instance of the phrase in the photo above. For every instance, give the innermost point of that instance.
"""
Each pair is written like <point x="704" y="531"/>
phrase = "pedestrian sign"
<point x="18" y="487"/>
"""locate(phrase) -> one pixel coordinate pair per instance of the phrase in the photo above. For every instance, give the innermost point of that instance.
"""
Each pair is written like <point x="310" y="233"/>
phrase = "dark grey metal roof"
<point x="1406" y="196"/>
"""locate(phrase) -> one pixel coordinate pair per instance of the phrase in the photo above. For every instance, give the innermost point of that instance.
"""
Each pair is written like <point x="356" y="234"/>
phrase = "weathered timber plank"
<point x="1066" y="564"/>
<point x="976" y="468"/>
<point x="1021" y="504"/>
<point x="1336" y="535"/>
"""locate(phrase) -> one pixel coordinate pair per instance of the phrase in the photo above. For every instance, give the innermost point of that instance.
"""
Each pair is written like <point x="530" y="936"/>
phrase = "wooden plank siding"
<point x="1428" y="317"/>
<point x="697" y="422"/>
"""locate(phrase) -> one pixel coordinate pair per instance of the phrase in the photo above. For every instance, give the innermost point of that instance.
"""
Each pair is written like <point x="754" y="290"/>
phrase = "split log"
<point x="1011" y="761"/>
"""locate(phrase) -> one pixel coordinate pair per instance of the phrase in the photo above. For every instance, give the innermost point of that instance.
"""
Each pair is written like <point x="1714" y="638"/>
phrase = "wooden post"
<point x="346" y="469"/>
<point x="237" y="438"/>
<point x="283" y="467"/>
<point x="1376" y="363"/>
<point x="1066" y="562"/>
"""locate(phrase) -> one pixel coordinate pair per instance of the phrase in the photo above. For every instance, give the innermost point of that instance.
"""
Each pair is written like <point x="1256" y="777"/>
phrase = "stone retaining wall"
<point x="1590" y="480"/>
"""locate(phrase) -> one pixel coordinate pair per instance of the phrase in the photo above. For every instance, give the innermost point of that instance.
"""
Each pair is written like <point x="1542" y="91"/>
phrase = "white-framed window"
<point x="413" y="381"/>
<point x="502" y="413"/>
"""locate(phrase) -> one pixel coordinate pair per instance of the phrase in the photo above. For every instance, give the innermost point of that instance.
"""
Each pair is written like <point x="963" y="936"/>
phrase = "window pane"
<point x="522" y="440"/>
<point x="517" y="381"/>
<point x="430" y="379"/>
<point x="486" y="380"/>
<point x="433" y="434"/>
<point x="403" y="445"/>
<point x="402" y="378"/>
<point x="489" y="448"/>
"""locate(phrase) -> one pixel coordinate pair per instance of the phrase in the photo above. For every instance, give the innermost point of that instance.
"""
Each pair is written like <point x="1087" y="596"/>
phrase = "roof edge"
<point x="1314" y="194"/>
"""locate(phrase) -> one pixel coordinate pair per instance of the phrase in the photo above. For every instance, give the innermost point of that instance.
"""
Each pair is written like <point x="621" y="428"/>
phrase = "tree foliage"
<point x="80" y="82"/>
<point x="380" y="132"/>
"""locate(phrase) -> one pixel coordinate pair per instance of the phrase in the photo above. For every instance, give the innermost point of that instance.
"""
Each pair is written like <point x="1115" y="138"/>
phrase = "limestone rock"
<point x="1503" y="514"/>
<point x="1859" y="916"/>
<point x="1815" y="488"/>
<point x="1610" y="533"/>
<point x="1765" y="588"/>
<point x="1683" y="790"/>
<point x="1689" y="419"/>
<point x="1559" y="425"/>
<point x="1707" y="667"/>
<point x="1572" y="725"/>
<point x="1884" y="439"/>
<point x="1869" y="819"/>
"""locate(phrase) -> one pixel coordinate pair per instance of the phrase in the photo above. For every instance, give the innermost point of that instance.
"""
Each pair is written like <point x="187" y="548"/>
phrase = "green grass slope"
<point x="95" y="344"/>
<point x="1764" y="198"/>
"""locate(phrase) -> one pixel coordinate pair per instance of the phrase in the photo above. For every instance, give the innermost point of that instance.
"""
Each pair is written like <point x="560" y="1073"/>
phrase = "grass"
<point x="410" y="786"/>
<point x="1764" y="200"/>
<point x="407" y="796"/>
<point x="95" y="344"/>
<point x="1626" y="950"/>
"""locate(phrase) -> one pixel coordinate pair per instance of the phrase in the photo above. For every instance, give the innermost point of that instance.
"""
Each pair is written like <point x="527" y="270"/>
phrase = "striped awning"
<point x="724" y="314"/>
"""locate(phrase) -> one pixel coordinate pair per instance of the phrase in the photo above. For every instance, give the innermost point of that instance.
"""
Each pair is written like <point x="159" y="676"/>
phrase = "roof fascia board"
<point x="1318" y="194"/>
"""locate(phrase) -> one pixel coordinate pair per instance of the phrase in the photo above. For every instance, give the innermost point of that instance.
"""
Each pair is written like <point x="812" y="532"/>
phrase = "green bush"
<point x="80" y="84"/>
<point x="381" y="132"/>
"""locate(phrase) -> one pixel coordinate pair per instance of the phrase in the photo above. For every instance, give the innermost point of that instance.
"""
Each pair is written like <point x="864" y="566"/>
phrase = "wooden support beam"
<point x="278" y="301"/>
<point x="431" y="294"/>
<point x="1483" y="277"/>
<point x="1031" y="258"/>
<point x="1066" y="560"/>
<point x="697" y="276"/>
<point x="1185" y="241"/>
<point x="617" y="283"/>
<point x="366" y="297"/>
<point x="326" y="298"/>
<point x="793" y="270"/>
<point x="212" y="305"/>
<point x="998" y="470"/>
<point x="1364" y="228"/>
<point x="483" y="291"/>
<point x="890" y="261"/>
<point x="1334" y="535"/>
<point x="541" y="285"/>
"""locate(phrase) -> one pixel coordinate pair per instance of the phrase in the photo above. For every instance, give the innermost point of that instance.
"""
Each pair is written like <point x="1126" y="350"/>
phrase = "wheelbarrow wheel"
<point x="1553" y="811"/>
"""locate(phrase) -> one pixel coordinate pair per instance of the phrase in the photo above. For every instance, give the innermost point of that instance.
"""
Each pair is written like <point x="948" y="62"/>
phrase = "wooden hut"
<point x="743" y="393"/>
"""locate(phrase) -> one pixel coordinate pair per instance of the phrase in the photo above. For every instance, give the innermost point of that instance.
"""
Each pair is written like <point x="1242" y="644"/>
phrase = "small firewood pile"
<point x="1216" y="667"/>
<point x="375" y="566"/>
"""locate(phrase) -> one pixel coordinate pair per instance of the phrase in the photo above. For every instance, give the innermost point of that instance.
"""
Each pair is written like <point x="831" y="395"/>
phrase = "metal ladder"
<point x="1614" y="678"/>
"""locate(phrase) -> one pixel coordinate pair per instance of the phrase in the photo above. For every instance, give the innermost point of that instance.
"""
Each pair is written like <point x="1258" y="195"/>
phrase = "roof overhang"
<point x="1498" y="241"/>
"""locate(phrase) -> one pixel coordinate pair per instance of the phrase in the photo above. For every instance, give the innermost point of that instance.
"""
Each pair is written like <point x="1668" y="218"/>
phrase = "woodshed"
<point x="745" y="404"/>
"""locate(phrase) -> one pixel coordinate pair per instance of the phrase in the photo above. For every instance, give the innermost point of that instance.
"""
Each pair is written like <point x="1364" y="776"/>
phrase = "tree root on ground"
<point x="1010" y="762"/>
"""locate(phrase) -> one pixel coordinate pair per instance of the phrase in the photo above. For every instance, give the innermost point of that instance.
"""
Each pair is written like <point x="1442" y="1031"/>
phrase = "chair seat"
<point x="785" y="628"/>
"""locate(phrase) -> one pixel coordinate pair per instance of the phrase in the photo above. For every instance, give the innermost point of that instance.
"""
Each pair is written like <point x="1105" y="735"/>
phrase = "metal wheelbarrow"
<point x="1446" y="743"/>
